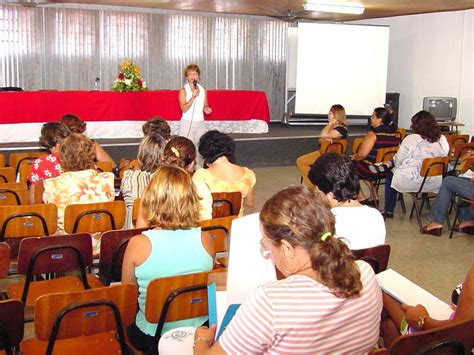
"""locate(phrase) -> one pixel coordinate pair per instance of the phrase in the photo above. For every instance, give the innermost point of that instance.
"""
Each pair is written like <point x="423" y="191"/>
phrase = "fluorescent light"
<point x="339" y="9"/>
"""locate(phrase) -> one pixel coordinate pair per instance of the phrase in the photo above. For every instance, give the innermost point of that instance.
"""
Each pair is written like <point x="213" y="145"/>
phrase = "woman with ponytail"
<point x="327" y="302"/>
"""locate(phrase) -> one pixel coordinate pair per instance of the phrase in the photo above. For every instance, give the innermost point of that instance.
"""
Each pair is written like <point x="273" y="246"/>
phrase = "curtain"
<point x="67" y="47"/>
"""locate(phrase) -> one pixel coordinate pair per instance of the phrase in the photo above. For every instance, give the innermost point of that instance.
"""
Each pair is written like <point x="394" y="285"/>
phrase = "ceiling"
<point x="286" y="9"/>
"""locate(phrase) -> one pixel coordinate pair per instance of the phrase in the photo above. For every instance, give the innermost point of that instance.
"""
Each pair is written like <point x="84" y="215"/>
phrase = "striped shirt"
<point x="300" y="315"/>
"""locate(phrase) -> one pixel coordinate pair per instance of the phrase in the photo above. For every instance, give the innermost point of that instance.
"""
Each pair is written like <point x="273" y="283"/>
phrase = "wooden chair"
<point x="17" y="222"/>
<point x="18" y="159"/>
<point x="175" y="298"/>
<point x="356" y="144"/>
<point x="83" y="322"/>
<point x="54" y="255"/>
<point x="9" y="197"/>
<point x="218" y="230"/>
<point x="376" y="256"/>
<point x="4" y="259"/>
<point x="226" y="204"/>
<point x="104" y="166"/>
<point x="94" y="217"/>
<point x="13" y="185"/>
<point x="112" y="249"/>
<point x="135" y="210"/>
<point x="7" y="174"/>
<point x="454" y="139"/>
<point x="458" y="150"/>
<point x="339" y="146"/>
<point x="401" y="133"/>
<point x="11" y="325"/>
<point x="24" y="171"/>
<point x="38" y="194"/>
<point x="455" y="338"/>
<point x="2" y="160"/>
<point x="126" y="164"/>
<point x="429" y="168"/>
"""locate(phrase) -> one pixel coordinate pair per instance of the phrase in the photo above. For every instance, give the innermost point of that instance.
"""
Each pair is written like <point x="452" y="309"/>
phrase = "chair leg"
<point x="402" y="202"/>
<point x="418" y="214"/>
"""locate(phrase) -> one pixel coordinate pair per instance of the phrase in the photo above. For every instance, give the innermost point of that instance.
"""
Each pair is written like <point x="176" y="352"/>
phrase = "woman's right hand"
<point x="415" y="314"/>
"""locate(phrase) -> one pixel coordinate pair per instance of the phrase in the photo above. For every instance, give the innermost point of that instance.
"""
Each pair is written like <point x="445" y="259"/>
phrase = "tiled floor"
<point x="437" y="264"/>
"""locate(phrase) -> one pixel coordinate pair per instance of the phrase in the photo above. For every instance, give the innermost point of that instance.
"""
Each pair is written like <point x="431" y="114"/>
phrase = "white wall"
<point x="431" y="55"/>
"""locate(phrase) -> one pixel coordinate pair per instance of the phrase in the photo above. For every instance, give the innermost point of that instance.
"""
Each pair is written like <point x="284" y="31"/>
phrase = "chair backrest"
<point x="112" y="249"/>
<point x="104" y="166"/>
<point x="356" y="144"/>
<point x="376" y="256"/>
<point x="459" y="149"/>
<point x="218" y="230"/>
<point x="94" y="217"/>
<point x="457" y="337"/>
<point x="221" y="221"/>
<point x="28" y="220"/>
<point x="82" y="313"/>
<point x="4" y="259"/>
<point x="7" y="174"/>
<point x="2" y="160"/>
<point x="39" y="191"/>
<point x="135" y="209"/>
<point x="9" y="197"/>
<point x="13" y="185"/>
<point x="17" y="159"/>
<point x="24" y="171"/>
<point x="466" y="164"/>
<point x="401" y="133"/>
<point x="454" y="139"/>
<point x="339" y="146"/>
<point x="434" y="166"/>
<point x="11" y="324"/>
<point x="126" y="164"/>
<point x="386" y="154"/>
<point x="226" y="203"/>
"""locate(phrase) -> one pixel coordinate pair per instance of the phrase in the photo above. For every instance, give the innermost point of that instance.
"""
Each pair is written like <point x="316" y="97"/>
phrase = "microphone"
<point x="96" y="84"/>
<point x="195" y="83"/>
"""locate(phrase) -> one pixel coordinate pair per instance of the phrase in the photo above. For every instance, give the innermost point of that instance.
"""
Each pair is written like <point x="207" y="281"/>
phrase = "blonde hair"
<point x="191" y="67"/>
<point x="150" y="153"/>
<point x="303" y="218"/>
<point x="170" y="200"/>
<point x="339" y="114"/>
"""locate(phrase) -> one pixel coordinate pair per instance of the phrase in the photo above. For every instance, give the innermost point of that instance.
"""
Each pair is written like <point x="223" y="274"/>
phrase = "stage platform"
<point x="279" y="147"/>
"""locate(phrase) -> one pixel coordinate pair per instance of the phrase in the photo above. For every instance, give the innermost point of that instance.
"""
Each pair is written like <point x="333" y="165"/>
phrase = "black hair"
<point x="386" y="115"/>
<point x="214" y="144"/>
<point x="334" y="172"/>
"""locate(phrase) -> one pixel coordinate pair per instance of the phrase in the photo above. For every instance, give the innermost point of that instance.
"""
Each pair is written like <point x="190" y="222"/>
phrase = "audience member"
<point x="52" y="135"/>
<point x="157" y="126"/>
<point x="335" y="129"/>
<point x="405" y="319"/>
<point x="439" y="211"/>
<point x="181" y="152"/>
<point x="426" y="142"/>
<point x="175" y="247"/>
<point x="220" y="172"/>
<point x="76" y="125"/>
<point x="382" y="135"/>
<point x="327" y="303"/>
<point x="361" y="226"/>
<point x="134" y="182"/>
<point x="80" y="182"/>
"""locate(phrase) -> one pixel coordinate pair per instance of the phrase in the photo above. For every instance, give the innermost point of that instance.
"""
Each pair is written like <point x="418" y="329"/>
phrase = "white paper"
<point x="407" y="292"/>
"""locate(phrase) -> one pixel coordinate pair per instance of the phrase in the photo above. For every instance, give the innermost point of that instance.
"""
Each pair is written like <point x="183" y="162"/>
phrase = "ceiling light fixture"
<point x="339" y="9"/>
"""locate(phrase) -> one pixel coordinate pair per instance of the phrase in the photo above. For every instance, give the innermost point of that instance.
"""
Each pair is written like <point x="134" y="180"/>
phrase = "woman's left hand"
<point x="414" y="314"/>
<point x="206" y="333"/>
<point x="207" y="110"/>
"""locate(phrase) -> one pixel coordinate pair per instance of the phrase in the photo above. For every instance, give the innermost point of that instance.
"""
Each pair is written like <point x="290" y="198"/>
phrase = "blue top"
<point x="173" y="252"/>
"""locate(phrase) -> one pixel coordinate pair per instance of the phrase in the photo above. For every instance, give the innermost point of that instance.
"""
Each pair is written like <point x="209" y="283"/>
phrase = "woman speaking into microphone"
<point x="193" y="104"/>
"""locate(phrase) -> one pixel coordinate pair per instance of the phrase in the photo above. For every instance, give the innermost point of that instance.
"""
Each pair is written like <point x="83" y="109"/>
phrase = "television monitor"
<point x="443" y="108"/>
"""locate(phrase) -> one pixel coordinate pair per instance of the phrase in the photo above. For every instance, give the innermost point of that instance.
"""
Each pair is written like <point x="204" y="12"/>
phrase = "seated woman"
<point x="335" y="129"/>
<point x="134" y="182"/>
<point x="174" y="247"/>
<point x="464" y="188"/>
<point x="417" y="317"/>
<point x="157" y="126"/>
<point x="426" y="142"/>
<point x="361" y="226"/>
<point x="181" y="152"/>
<point x="221" y="174"/>
<point x="76" y="125"/>
<point x="52" y="135"/>
<point x="80" y="182"/>
<point x="382" y="135"/>
<point x="327" y="303"/>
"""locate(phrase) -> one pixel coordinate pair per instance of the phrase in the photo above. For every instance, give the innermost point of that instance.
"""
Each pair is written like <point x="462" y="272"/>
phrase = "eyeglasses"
<point x="264" y="250"/>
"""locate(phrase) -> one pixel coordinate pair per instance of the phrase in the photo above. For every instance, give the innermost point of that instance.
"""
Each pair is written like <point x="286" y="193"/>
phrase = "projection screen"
<point x="341" y="64"/>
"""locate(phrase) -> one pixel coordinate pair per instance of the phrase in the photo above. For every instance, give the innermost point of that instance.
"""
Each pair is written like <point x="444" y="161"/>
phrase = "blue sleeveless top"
<point x="173" y="252"/>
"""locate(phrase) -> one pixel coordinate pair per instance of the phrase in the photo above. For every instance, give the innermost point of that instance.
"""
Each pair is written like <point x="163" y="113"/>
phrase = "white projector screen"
<point x="341" y="64"/>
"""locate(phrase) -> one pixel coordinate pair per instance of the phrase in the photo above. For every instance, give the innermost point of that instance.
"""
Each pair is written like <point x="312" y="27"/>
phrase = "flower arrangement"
<point x="129" y="78"/>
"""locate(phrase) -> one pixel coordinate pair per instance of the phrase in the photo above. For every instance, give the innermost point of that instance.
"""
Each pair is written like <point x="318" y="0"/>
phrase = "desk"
<point x="453" y="126"/>
<point x="127" y="110"/>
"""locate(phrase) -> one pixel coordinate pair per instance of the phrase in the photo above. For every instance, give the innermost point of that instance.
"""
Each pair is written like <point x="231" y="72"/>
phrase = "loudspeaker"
<point x="392" y="99"/>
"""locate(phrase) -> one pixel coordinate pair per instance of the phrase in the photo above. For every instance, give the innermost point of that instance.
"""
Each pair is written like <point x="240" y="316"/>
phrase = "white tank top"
<point x="195" y="112"/>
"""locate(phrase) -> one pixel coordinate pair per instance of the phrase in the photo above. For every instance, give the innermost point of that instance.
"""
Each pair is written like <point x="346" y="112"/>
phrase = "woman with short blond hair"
<point x="174" y="247"/>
